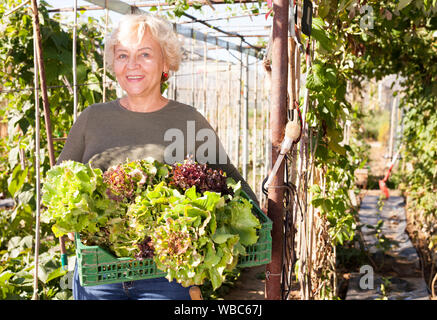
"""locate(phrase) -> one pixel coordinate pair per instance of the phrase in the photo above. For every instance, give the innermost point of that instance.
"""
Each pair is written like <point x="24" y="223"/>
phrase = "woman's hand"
<point x="71" y="236"/>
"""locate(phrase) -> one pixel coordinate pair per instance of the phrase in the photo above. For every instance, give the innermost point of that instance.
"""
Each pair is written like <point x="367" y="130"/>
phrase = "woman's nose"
<point x="132" y="62"/>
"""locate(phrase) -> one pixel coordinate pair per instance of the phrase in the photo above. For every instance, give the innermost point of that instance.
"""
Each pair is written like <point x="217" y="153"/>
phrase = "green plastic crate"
<point x="261" y="252"/>
<point x="97" y="266"/>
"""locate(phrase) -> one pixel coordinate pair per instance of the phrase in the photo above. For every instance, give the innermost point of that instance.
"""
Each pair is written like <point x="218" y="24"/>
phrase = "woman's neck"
<point x="143" y="104"/>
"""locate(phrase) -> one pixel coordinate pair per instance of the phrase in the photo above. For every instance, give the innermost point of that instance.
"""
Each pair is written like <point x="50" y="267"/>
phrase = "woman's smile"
<point x="135" y="78"/>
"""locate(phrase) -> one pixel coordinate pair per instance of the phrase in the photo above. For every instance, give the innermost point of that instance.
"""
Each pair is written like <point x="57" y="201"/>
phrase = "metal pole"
<point x="74" y="63"/>
<point x="240" y="102"/>
<point x="278" y="118"/>
<point x="306" y="223"/>
<point x="291" y="72"/>
<point x="205" y="53"/>
<point x="246" y="120"/>
<point x="216" y="113"/>
<point x="228" y="123"/>
<point x="255" y="106"/>
<point x="104" y="51"/>
<point x="263" y="134"/>
<point x="37" y="171"/>
<point x="393" y="127"/>
<point x="297" y="64"/>
<point x="192" y="68"/>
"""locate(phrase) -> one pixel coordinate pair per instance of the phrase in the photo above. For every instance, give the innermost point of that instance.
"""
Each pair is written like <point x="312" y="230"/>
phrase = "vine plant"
<point x="17" y="156"/>
<point x="400" y="40"/>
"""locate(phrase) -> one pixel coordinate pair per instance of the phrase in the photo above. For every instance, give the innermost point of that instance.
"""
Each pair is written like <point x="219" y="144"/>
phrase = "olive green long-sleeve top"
<point x="106" y="134"/>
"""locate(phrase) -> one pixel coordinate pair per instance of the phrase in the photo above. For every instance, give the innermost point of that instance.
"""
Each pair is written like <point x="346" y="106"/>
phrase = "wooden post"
<point x="42" y="78"/>
<point x="278" y="118"/>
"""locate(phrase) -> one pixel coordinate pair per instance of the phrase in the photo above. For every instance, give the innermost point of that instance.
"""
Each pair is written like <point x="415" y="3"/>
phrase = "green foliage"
<point x="330" y="110"/>
<point x="192" y="245"/>
<point x="402" y="42"/>
<point x="75" y="197"/>
<point x="420" y="139"/>
<point x="17" y="178"/>
<point x="399" y="41"/>
<point x="230" y="278"/>
<point x="376" y="125"/>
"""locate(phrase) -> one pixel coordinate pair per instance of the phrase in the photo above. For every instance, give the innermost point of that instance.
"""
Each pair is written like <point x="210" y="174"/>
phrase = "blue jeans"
<point x="147" y="289"/>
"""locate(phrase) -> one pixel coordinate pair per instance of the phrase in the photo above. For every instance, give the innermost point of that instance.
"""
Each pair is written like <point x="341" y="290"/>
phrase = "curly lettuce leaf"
<point x="237" y="218"/>
<point x="75" y="199"/>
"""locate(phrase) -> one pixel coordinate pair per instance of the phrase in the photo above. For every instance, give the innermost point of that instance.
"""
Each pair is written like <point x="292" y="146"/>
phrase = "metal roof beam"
<point x="124" y="8"/>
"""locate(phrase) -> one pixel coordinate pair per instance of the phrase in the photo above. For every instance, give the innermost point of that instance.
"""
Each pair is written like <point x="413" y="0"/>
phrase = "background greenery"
<point x="402" y="41"/>
<point x="17" y="179"/>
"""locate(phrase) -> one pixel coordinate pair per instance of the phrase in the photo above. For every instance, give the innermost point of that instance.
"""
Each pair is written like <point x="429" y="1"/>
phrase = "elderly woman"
<point x="142" y="51"/>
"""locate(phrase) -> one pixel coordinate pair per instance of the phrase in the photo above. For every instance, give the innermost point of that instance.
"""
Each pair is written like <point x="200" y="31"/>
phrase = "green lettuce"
<point x="193" y="235"/>
<point x="75" y="198"/>
<point x="237" y="218"/>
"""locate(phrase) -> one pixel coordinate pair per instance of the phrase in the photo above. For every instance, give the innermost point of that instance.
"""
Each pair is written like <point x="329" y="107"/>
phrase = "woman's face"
<point x="138" y="67"/>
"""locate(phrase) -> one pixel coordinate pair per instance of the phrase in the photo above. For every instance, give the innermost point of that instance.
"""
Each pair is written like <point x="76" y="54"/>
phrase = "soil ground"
<point x="377" y="163"/>
<point x="250" y="285"/>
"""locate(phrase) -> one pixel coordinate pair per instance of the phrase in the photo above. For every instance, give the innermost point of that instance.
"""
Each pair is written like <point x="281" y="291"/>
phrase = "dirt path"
<point x="250" y="285"/>
<point x="378" y="164"/>
<point x="394" y="272"/>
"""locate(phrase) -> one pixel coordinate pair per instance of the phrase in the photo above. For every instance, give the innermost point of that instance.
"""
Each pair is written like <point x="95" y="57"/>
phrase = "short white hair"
<point x="132" y="27"/>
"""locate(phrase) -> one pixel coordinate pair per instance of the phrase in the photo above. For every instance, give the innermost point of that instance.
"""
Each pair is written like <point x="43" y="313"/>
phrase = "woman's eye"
<point x="122" y="56"/>
<point x="145" y="55"/>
